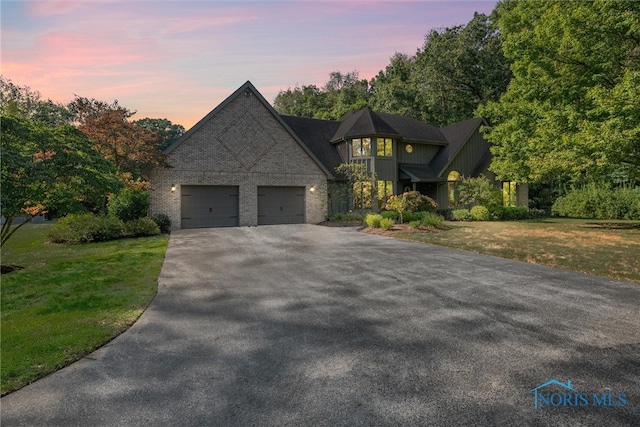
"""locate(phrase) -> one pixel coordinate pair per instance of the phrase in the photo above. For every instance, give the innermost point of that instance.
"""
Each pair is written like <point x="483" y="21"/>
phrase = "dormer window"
<point x="384" y="147"/>
<point x="361" y="147"/>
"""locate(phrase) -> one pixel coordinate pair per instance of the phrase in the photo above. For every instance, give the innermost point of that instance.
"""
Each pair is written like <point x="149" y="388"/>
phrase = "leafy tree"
<point x="129" y="146"/>
<point x="572" y="110"/>
<point x="360" y="183"/>
<point x="394" y="90"/>
<point x="23" y="102"/>
<point x="167" y="132"/>
<point x="455" y="71"/>
<point x="48" y="168"/>
<point x="343" y="92"/>
<point x="478" y="190"/>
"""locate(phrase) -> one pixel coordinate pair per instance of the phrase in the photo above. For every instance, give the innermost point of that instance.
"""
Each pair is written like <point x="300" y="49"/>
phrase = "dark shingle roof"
<point x="357" y="123"/>
<point x="316" y="134"/>
<point x="457" y="134"/>
<point x="419" y="172"/>
<point x="365" y="122"/>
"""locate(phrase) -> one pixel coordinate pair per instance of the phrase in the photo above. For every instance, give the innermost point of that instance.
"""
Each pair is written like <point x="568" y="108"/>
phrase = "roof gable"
<point x="457" y="135"/>
<point x="247" y="89"/>
<point x="359" y="123"/>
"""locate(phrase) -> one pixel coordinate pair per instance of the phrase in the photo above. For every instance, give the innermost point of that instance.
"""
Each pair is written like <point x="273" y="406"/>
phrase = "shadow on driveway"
<point x="307" y="325"/>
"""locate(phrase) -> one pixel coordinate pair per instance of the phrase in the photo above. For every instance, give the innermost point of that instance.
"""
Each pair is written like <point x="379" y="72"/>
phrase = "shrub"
<point x="373" y="220"/>
<point x="417" y="202"/>
<point x="460" y="215"/>
<point x="163" y="222"/>
<point x="336" y="217"/>
<point x="386" y="223"/>
<point x="140" y="227"/>
<point x="129" y="204"/>
<point x="446" y="213"/>
<point x="480" y="213"/>
<point x="599" y="202"/>
<point x="390" y="214"/>
<point x="85" y="228"/>
<point x="509" y="213"/>
<point x="480" y="190"/>
<point x="353" y="216"/>
<point x="432" y="219"/>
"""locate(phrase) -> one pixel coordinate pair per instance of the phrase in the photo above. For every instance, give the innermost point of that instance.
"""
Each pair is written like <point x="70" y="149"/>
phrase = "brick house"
<point x="244" y="165"/>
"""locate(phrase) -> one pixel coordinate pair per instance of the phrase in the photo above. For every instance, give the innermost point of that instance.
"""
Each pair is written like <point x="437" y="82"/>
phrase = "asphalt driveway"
<point x="308" y="325"/>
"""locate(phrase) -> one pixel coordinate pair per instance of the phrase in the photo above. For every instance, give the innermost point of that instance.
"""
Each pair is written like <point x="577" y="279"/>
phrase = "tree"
<point x="478" y="190"/>
<point x="343" y="92"/>
<point x="572" y="110"/>
<point x="22" y="101"/>
<point x="360" y="183"/>
<point x="167" y="132"/>
<point x="48" y="168"/>
<point x="394" y="90"/>
<point x="458" y="69"/>
<point x="127" y="145"/>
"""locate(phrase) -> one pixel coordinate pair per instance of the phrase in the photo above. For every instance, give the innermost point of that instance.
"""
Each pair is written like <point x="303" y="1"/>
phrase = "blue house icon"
<point x="548" y="383"/>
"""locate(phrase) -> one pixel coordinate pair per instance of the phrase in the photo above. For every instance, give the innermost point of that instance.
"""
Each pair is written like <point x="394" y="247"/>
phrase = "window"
<point x="385" y="189"/>
<point x="360" y="147"/>
<point x="453" y="179"/>
<point x="509" y="193"/>
<point x="384" y="147"/>
<point x="362" y="195"/>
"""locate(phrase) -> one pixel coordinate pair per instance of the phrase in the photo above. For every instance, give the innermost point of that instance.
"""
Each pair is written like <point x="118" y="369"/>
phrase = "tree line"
<point x="63" y="159"/>
<point x="558" y="83"/>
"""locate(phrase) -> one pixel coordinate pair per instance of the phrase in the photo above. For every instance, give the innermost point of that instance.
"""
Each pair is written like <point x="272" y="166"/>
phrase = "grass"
<point x="69" y="300"/>
<point x="601" y="248"/>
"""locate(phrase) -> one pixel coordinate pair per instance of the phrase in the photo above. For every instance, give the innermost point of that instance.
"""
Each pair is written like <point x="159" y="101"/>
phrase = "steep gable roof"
<point x="316" y="135"/>
<point x="414" y="130"/>
<point x="247" y="89"/>
<point x="457" y="134"/>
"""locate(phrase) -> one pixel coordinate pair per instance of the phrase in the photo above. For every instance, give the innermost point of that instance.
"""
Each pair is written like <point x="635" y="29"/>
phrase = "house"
<point x="243" y="164"/>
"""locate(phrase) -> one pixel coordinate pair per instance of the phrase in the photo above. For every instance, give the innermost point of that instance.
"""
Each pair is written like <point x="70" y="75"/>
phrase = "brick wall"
<point x="243" y="144"/>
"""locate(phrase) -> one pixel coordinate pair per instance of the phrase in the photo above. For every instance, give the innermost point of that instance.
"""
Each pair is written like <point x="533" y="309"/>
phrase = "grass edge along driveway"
<point x="70" y="300"/>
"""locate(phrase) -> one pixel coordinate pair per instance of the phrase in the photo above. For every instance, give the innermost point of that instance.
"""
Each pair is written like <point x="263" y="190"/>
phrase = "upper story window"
<point x="361" y="147"/>
<point x="384" y="147"/>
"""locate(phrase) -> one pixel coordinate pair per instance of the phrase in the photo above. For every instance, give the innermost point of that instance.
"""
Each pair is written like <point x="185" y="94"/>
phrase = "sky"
<point x="180" y="59"/>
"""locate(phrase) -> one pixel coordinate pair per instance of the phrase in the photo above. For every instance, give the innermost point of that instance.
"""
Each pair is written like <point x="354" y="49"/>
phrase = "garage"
<point x="281" y="205"/>
<point x="209" y="206"/>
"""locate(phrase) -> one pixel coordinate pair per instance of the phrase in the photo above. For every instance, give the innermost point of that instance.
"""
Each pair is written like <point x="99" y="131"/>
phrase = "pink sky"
<point x="180" y="59"/>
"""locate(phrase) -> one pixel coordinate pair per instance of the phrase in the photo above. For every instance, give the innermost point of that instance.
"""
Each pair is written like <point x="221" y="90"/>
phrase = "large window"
<point x="509" y="193"/>
<point x="453" y="179"/>
<point x="362" y="195"/>
<point x="385" y="189"/>
<point x="384" y="147"/>
<point x="361" y="147"/>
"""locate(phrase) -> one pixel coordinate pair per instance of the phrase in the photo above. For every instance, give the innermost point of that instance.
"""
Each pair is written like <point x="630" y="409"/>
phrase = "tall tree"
<point x="22" y="101"/>
<point x="48" y="168"/>
<point x="460" y="68"/>
<point x="572" y="109"/>
<point x="167" y="132"/>
<point x="127" y="145"/>
<point x="394" y="89"/>
<point x="343" y="92"/>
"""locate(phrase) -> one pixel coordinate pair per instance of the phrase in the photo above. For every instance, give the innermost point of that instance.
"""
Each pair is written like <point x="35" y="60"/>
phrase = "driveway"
<point x="307" y="325"/>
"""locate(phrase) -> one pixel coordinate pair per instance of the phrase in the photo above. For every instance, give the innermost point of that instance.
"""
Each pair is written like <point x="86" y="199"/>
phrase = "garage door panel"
<point x="209" y="206"/>
<point x="281" y="205"/>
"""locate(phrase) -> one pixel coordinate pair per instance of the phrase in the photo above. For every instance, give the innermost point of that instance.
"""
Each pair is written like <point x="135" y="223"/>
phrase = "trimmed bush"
<point x="353" y="216"/>
<point x="510" y="213"/>
<point x="415" y="224"/>
<point x="386" y="223"/>
<point x="85" y="228"/>
<point x="599" y="202"/>
<point x="460" y="215"/>
<point x="163" y="222"/>
<point x="129" y="204"/>
<point x="417" y="202"/>
<point x="480" y="213"/>
<point x="373" y="220"/>
<point x="140" y="227"/>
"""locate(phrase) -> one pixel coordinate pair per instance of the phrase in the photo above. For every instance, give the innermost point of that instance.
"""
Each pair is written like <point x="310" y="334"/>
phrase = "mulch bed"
<point x="399" y="229"/>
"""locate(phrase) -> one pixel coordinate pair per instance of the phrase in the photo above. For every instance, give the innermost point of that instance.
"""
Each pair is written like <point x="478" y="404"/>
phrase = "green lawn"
<point x="602" y="248"/>
<point x="69" y="300"/>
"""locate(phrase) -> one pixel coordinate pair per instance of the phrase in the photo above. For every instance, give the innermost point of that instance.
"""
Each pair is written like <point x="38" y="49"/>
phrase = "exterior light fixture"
<point x="173" y="188"/>
<point x="312" y="189"/>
